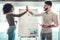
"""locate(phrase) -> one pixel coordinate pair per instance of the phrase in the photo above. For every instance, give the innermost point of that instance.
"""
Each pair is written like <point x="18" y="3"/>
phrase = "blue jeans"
<point x="47" y="36"/>
<point x="11" y="33"/>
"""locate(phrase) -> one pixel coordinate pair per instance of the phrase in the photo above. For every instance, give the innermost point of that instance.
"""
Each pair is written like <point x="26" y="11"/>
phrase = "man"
<point x="49" y="18"/>
<point x="8" y="9"/>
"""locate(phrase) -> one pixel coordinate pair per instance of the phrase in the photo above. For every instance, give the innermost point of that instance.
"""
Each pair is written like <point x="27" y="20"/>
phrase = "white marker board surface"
<point x="27" y="25"/>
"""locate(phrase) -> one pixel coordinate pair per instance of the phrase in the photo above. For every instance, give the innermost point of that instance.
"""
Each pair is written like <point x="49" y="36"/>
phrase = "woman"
<point x="8" y="10"/>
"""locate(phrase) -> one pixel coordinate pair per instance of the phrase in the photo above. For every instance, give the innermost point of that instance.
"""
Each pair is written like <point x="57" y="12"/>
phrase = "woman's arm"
<point x="19" y="15"/>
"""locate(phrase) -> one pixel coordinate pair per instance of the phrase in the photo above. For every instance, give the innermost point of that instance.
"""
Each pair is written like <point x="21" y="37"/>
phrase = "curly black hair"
<point x="7" y="8"/>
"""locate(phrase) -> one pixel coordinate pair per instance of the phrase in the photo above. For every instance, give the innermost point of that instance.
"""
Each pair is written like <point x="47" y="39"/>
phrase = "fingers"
<point x="44" y="25"/>
<point x="26" y="8"/>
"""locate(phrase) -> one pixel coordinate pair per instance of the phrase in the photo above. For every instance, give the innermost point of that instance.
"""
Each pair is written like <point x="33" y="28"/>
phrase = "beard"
<point x="45" y="9"/>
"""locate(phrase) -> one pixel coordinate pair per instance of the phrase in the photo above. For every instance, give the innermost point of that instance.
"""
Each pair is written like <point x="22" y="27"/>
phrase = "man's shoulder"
<point x="53" y="13"/>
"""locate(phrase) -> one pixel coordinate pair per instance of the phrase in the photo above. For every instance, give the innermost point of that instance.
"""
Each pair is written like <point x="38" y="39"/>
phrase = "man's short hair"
<point x="48" y="3"/>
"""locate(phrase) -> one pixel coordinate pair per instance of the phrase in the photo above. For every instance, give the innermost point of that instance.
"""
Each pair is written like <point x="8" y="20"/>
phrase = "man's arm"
<point x="35" y="14"/>
<point x="48" y="25"/>
<point x="55" y="20"/>
<point x="32" y="13"/>
<point x="51" y="25"/>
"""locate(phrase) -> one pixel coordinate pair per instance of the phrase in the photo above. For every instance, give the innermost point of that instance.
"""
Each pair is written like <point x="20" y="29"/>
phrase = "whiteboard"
<point x="27" y="25"/>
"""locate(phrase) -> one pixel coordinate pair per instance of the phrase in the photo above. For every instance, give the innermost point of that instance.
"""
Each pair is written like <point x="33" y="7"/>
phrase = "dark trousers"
<point x="47" y="36"/>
